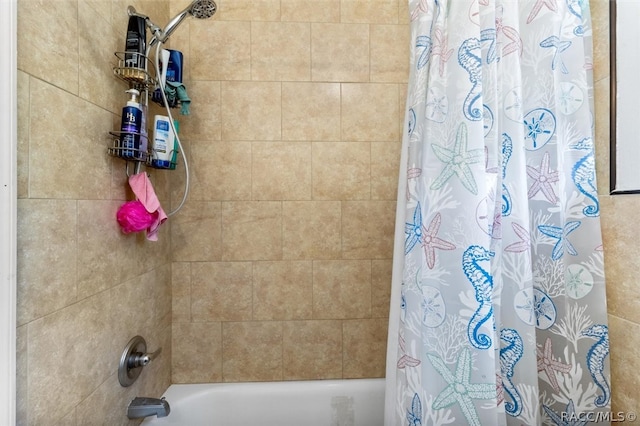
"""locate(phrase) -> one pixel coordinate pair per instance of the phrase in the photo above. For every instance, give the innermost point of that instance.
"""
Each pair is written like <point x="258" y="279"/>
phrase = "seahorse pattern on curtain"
<point x="502" y="304"/>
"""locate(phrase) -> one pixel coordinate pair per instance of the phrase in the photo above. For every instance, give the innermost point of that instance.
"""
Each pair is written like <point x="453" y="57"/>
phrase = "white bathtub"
<point x="355" y="402"/>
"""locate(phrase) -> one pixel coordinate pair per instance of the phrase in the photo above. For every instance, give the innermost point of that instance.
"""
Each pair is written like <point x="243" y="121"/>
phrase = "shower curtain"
<point x="498" y="311"/>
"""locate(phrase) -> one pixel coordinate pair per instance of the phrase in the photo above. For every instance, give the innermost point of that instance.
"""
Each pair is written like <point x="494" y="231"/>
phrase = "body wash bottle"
<point x="163" y="142"/>
<point x="130" y="127"/>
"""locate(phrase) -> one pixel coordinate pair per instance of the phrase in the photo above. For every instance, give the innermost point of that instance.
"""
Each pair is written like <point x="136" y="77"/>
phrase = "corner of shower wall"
<point x="84" y="288"/>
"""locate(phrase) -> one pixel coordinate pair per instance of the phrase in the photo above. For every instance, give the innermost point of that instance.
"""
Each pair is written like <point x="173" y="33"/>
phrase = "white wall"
<point x="8" y="136"/>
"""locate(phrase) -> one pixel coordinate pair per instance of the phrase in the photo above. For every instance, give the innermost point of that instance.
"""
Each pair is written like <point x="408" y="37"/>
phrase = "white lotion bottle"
<point x="163" y="142"/>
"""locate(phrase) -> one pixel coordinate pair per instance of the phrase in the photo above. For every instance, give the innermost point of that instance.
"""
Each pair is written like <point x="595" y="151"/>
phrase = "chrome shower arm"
<point x="164" y="34"/>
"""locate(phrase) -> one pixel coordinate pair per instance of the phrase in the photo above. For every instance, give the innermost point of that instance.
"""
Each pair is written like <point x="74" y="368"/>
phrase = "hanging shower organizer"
<point x="141" y="79"/>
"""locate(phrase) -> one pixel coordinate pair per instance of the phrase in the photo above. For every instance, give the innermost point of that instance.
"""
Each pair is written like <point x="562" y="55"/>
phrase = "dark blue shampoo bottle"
<point x="130" y="127"/>
<point x="174" y="67"/>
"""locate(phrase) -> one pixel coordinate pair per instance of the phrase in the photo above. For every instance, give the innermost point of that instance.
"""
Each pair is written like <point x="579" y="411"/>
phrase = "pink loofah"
<point x="134" y="217"/>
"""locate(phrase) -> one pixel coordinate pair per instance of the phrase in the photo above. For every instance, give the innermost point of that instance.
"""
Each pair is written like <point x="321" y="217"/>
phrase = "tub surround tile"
<point x="102" y="7"/>
<point x="402" y="102"/>
<point x="281" y="171"/>
<point x="180" y="292"/>
<point x="22" y="375"/>
<point x="601" y="48"/>
<point x="97" y="46"/>
<point x="221" y="291"/>
<point x="619" y="241"/>
<point x="310" y="111"/>
<point x="311" y="230"/>
<point x="389" y="62"/>
<point x="381" y="287"/>
<point x="177" y="6"/>
<point x="226" y="54"/>
<point x="624" y="390"/>
<point x="369" y="11"/>
<point x="385" y="167"/>
<point x="62" y="127"/>
<point x="221" y="171"/>
<point x="339" y="52"/>
<point x="365" y="342"/>
<point x="250" y="10"/>
<point x="160" y="368"/>
<point x="206" y="126"/>
<point x="151" y="255"/>
<point x="58" y="344"/>
<point x="196" y="363"/>
<point x="252" y="230"/>
<point x="280" y="51"/>
<point x="282" y="290"/>
<point x="341" y="289"/>
<point x="403" y="12"/>
<point x="252" y="351"/>
<point x="310" y="10"/>
<point x="362" y="117"/>
<point x="602" y="135"/>
<point x="133" y="312"/>
<point x="22" y="154"/>
<point x="47" y="280"/>
<point x="341" y="170"/>
<point x="70" y="419"/>
<point x="312" y="350"/>
<point x="367" y="229"/>
<point x="251" y="110"/>
<point x="50" y="55"/>
<point x="196" y="232"/>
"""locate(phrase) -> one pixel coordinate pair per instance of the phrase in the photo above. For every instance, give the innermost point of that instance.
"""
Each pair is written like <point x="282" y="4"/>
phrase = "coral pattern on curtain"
<point x="498" y="308"/>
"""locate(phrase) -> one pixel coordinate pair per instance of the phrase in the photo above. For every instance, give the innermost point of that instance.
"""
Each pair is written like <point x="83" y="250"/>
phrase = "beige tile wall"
<point x="282" y="257"/>
<point x="84" y="288"/>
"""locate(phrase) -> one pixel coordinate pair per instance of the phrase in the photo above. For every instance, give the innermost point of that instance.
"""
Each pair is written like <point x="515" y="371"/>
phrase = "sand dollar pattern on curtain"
<point x="502" y="317"/>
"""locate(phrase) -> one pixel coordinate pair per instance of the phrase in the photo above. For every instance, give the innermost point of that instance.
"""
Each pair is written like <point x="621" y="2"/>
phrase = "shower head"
<point x="199" y="9"/>
<point x="203" y="9"/>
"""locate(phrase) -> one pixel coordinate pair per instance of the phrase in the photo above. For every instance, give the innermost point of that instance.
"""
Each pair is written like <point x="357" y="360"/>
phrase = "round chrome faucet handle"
<point x="133" y="358"/>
